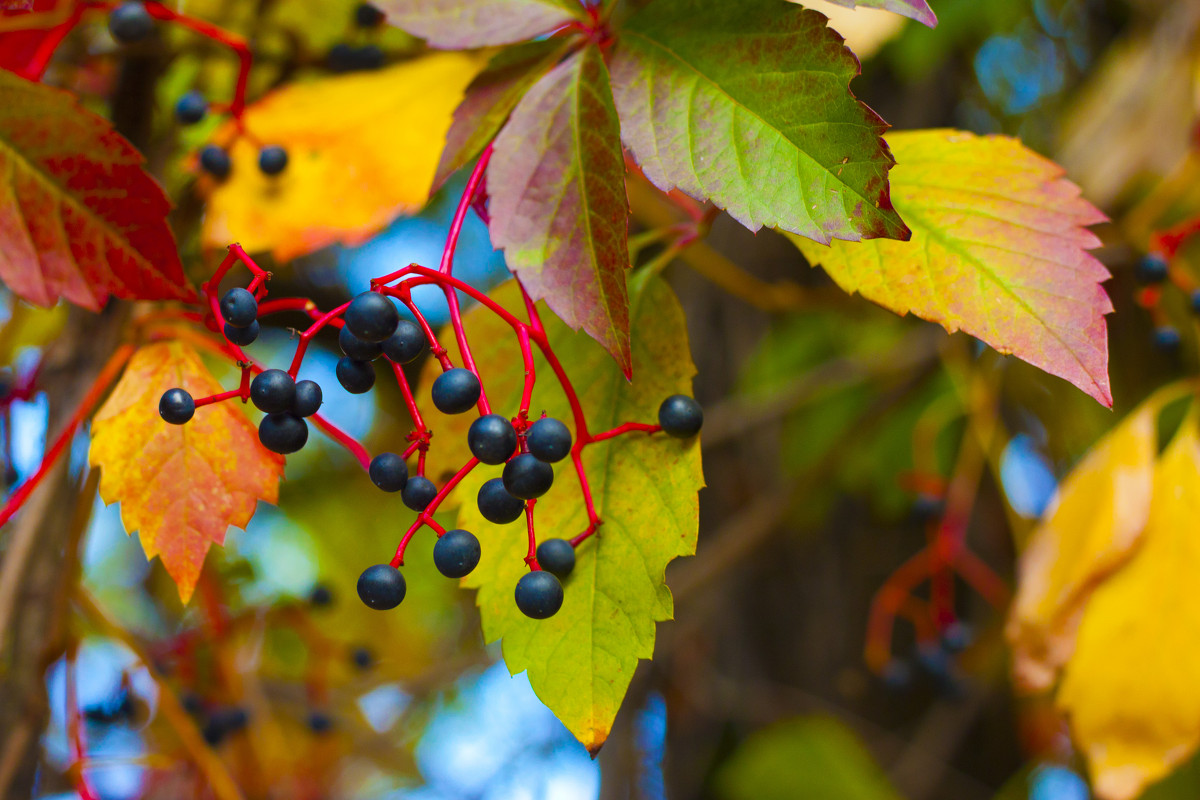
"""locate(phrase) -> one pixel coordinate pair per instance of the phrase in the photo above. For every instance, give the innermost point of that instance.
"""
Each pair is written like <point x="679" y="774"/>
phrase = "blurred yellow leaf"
<point x="865" y="29"/>
<point x="362" y="150"/>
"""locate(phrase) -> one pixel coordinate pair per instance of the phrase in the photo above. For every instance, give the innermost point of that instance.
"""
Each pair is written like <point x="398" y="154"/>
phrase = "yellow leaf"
<point x="1130" y="689"/>
<point x="362" y="150"/>
<point x="180" y="486"/>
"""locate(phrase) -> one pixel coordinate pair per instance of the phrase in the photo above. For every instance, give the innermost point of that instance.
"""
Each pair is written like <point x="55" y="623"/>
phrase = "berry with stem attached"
<point x="455" y="391"/>
<point x="492" y="439"/>
<point x="389" y="472"/>
<point x="556" y="556"/>
<point x="191" y="108"/>
<point x="549" y="440"/>
<point x="242" y="336"/>
<point x="272" y="160"/>
<point x="130" y="22"/>
<point x="282" y="433"/>
<point x="176" y="406"/>
<point x="418" y="493"/>
<point x="526" y="477"/>
<point x="372" y="317"/>
<point x="539" y="594"/>
<point x="355" y="377"/>
<point x="356" y="348"/>
<point x="381" y="587"/>
<point x="273" y="391"/>
<point x="406" y="344"/>
<point x="239" y="308"/>
<point x="680" y="416"/>
<point x="497" y="505"/>
<point x="308" y="398"/>
<point x="456" y="553"/>
<point x="215" y="161"/>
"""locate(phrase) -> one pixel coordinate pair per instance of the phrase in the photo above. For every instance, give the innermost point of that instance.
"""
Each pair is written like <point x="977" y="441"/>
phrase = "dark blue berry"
<point x="191" y="108"/>
<point x="215" y="161"/>
<point x="418" y="493"/>
<point x="355" y="377"/>
<point x="406" y="344"/>
<point x="308" y="398"/>
<point x="320" y="596"/>
<point x="273" y="391"/>
<point x="556" y="556"/>
<point x="957" y="637"/>
<point x="539" y="594"/>
<point x="176" y="406"/>
<point x="526" y="477"/>
<point x="549" y="440"/>
<point x="455" y="391"/>
<point x="368" y="56"/>
<point x="130" y="22"/>
<point x="389" y="472"/>
<point x="497" y="505"/>
<point x="372" y="317"/>
<point x="680" y="416"/>
<point x="362" y="657"/>
<point x="1167" y="339"/>
<point x="340" y="58"/>
<point x="282" y="433"/>
<point x="381" y="587"/>
<point x="319" y="722"/>
<point x="238" y="307"/>
<point x="367" y="16"/>
<point x="492" y="439"/>
<point x="456" y="553"/>
<point x="1152" y="269"/>
<point x="356" y="348"/>
<point x="242" y="336"/>
<point x="272" y="160"/>
<point x="223" y="722"/>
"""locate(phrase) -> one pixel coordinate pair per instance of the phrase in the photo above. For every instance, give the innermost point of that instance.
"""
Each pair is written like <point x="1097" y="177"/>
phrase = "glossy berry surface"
<point x="176" y="406"/>
<point x="130" y="22"/>
<point x="308" y="398"/>
<point x="239" y="308"/>
<point x="389" y="472"/>
<point x="539" y="594"/>
<point x="282" y="433"/>
<point x="496" y="504"/>
<point x="1167" y="339"/>
<point x="242" y="336"/>
<point x="372" y="317"/>
<point x="418" y="493"/>
<point x="381" y="587"/>
<point x="356" y="348"/>
<point x="273" y="391"/>
<point x="367" y="16"/>
<point x="406" y="344"/>
<point x="456" y="553"/>
<point x="191" y="108"/>
<point x="272" y="160"/>
<point x="526" y="477"/>
<point x="492" y="439"/>
<point x="355" y="377"/>
<point x="680" y="416"/>
<point x="215" y="161"/>
<point x="1151" y="269"/>
<point x="549" y="440"/>
<point x="557" y="557"/>
<point x="455" y="391"/>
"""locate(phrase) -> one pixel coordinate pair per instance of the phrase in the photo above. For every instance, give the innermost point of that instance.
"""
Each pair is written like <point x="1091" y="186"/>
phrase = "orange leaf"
<point x="179" y="486"/>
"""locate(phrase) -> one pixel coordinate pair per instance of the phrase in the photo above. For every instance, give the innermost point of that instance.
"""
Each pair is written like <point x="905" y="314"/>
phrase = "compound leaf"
<point x="999" y="250"/>
<point x="179" y="486"/>
<point x="463" y="24"/>
<point x="916" y="9"/>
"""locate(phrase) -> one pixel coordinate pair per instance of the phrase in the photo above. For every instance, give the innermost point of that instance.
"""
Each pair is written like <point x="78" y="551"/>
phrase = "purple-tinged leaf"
<point x="915" y="9"/>
<point x="463" y="24"/>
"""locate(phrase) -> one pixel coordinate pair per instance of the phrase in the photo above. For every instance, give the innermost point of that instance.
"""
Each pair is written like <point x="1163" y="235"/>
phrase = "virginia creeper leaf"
<point x="748" y="105"/>
<point x="179" y="486"/>
<point x="1129" y="689"/>
<point x="580" y="661"/>
<point x="558" y="206"/>
<point x="491" y="97"/>
<point x="350" y="172"/>
<point x="916" y="9"/>
<point x="463" y="24"/>
<point x="79" y="217"/>
<point x="999" y="250"/>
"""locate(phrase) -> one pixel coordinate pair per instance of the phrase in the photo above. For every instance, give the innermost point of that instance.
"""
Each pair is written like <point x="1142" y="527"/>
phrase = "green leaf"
<point x="916" y="9"/>
<point x="491" y="97"/>
<point x="463" y="24"/>
<point x="809" y="758"/>
<point x="999" y="250"/>
<point x="580" y="661"/>
<point x="558" y="206"/>
<point x="748" y="105"/>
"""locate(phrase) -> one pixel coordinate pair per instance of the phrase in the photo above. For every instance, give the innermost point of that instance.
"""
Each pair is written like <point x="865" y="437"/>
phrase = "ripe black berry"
<point x="497" y="505"/>
<point x="272" y="159"/>
<point x="176" y="406"/>
<point x="362" y="657"/>
<point x="418" y="493"/>
<point x="223" y="722"/>
<point x="406" y="343"/>
<point x="319" y="722"/>
<point x="356" y="348"/>
<point x="455" y="391"/>
<point x="215" y="161"/>
<point x="549" y="440"/>
<point x="680" y="416"/>
<point x="1167" y="339"/>
<point x="389" y="472"/>
<point x="239" y="308"/>
<point x="367" y="16"/>
<point x="320" y="596"/>
<point x="308" y="398"/>
<point x="492" y="439"/>
<point x="539" y="594"/>
<point x="526" y="477"/>
<point x="556" y="556"/>
<point x="368" y="56"/>
<point x="340" y="57"/>
<point x="282" y="433"/>
<point x="191" y="108"/>
<point x="242" y="336"/>
<point x="372" y="317"/>
<point x="381" y="587"/>
<point x="130" y="22"/>
<point x="456" y="553"/>
<point x="1152" y="269"/>
<point x="355" y="377"/>
<point x="273" y="391"/>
